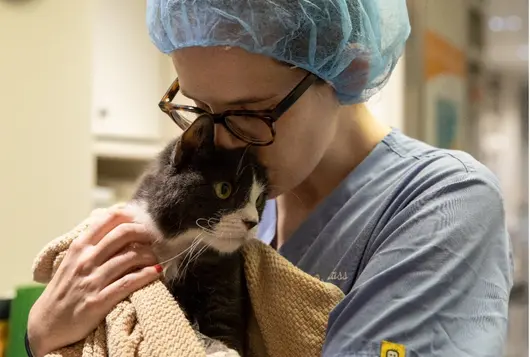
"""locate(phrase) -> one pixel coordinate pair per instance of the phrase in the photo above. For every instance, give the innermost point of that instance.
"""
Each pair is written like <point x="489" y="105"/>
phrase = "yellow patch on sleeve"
<point x="390" y="349"/>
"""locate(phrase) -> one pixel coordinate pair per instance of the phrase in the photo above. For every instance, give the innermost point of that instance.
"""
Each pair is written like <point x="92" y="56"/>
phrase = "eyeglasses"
<point x="255" y="127"/>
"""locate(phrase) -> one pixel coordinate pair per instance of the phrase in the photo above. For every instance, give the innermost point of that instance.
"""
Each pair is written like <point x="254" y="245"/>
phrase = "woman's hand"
<point x="105" y="264"/>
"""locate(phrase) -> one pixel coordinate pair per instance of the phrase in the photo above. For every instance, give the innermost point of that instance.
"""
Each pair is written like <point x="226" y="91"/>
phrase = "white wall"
<point x="502" y="151"/>
<point x="388" y="105"/>
<point x="45" y="158"/>
<point x="501" y="145"/>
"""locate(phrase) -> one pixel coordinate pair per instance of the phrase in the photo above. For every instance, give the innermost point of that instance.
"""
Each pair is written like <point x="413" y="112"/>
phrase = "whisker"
<point x="181" y="271"/>
<point x="206" y="229"/>
<point x="183" y="252"/>
<point x="238" y="170"/>
<point x="199" y="253"/>
<point x="196" y="241"/>
<point x="215" y="220"/>
<point x="242" y="169"/>
<point x="193" y="256"/>
<point x="290" y="192"/>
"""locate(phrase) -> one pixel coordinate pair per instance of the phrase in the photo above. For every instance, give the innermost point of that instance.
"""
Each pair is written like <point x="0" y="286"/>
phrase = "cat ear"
<point x="197" y="139"/>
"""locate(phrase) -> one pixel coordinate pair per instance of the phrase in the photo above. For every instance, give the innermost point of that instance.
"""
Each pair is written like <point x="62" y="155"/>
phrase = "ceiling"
<point x="506" y="42"/>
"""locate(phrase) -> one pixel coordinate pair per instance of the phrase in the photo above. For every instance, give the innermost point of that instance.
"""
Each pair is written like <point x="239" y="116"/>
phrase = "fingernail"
<point x="159" y="268"/>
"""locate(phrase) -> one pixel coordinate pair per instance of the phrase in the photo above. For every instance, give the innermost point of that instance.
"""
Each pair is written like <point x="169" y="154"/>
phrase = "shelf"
<point x="115" y="149"/>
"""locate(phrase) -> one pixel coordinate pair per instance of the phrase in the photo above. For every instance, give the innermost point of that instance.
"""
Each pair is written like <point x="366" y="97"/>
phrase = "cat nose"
<point x="250" y="223"/>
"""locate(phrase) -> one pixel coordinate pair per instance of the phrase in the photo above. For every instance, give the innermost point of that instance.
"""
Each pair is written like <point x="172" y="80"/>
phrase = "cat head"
<point x="198" y="193"/>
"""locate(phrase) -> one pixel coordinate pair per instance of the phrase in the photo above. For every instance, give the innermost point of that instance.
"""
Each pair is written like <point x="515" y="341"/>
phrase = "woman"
<point x="415" y="236"/>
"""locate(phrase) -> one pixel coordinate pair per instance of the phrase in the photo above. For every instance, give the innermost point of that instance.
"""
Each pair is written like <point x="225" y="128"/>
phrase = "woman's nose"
<point x="224" y="139"/>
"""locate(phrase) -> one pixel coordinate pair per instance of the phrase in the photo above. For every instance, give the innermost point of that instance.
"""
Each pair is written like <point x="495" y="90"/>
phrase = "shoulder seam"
<point x="441" y="153"/>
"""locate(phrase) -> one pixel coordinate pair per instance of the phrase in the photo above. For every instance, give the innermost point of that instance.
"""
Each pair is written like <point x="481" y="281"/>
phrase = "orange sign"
<point x="442" y="57"/>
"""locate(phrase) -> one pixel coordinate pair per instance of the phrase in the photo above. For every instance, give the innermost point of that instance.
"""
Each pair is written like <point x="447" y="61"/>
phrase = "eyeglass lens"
<point x="247" y="128"/>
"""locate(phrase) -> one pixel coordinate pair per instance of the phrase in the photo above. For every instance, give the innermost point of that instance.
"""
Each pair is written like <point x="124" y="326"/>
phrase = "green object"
<point x="446" y="123"/>
<point x="18" y="318"/>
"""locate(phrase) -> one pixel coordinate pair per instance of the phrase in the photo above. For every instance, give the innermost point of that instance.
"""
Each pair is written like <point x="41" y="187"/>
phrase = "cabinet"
<point x="129" y="76"/>
<point x="127" y="80"/>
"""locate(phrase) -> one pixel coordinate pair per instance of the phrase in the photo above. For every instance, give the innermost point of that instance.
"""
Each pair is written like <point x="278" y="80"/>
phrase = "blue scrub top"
<point x="416" y="238"/>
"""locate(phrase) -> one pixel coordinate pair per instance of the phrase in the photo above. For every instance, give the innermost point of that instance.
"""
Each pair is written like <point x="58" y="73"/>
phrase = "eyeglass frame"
<point x="268" y="116"/>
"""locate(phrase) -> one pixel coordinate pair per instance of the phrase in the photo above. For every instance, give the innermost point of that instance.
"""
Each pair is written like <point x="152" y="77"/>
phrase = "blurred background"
<point x="79" y="87"/>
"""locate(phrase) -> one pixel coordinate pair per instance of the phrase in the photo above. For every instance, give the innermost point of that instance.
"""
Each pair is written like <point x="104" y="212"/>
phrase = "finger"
<point x="126" y="285"/>
<point x="120" y="237"/>
<point x="100" y="211"/>
<point x="124" y="262"/>
<point x="103" y="224"/>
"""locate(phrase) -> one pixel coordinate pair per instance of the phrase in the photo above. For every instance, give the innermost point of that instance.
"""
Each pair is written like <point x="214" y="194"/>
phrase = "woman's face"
<point x="219" y="79"/>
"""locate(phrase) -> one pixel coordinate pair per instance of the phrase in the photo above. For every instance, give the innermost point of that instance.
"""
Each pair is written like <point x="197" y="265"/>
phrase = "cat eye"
<point x="223" y="190"/>
<point x="255" y="127"/>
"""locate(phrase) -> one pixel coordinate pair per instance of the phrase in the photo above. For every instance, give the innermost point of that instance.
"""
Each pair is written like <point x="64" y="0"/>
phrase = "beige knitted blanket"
<point x="289" y="311"/>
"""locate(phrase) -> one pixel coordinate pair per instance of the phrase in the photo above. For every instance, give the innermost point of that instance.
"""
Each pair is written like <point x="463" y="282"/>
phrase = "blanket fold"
<point x="290" y="310"/>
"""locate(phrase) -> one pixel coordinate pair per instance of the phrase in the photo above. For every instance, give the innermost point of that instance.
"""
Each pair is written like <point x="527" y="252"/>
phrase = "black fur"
<point x="179" y="186"/>
<point x="178" y="190"/>
<point x="213" y="294"/>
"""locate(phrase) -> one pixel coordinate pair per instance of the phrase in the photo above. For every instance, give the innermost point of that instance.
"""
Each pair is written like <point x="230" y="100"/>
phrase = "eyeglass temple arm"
<point x="172" y="91"/>
<point x="296" y="93"/>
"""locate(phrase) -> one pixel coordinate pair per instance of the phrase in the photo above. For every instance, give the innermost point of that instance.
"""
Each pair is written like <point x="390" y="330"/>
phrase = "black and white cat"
<point x="204" y="202"/>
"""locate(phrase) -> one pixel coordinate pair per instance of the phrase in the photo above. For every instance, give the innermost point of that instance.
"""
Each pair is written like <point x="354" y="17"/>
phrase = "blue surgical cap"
<point x="352" y="44"/>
